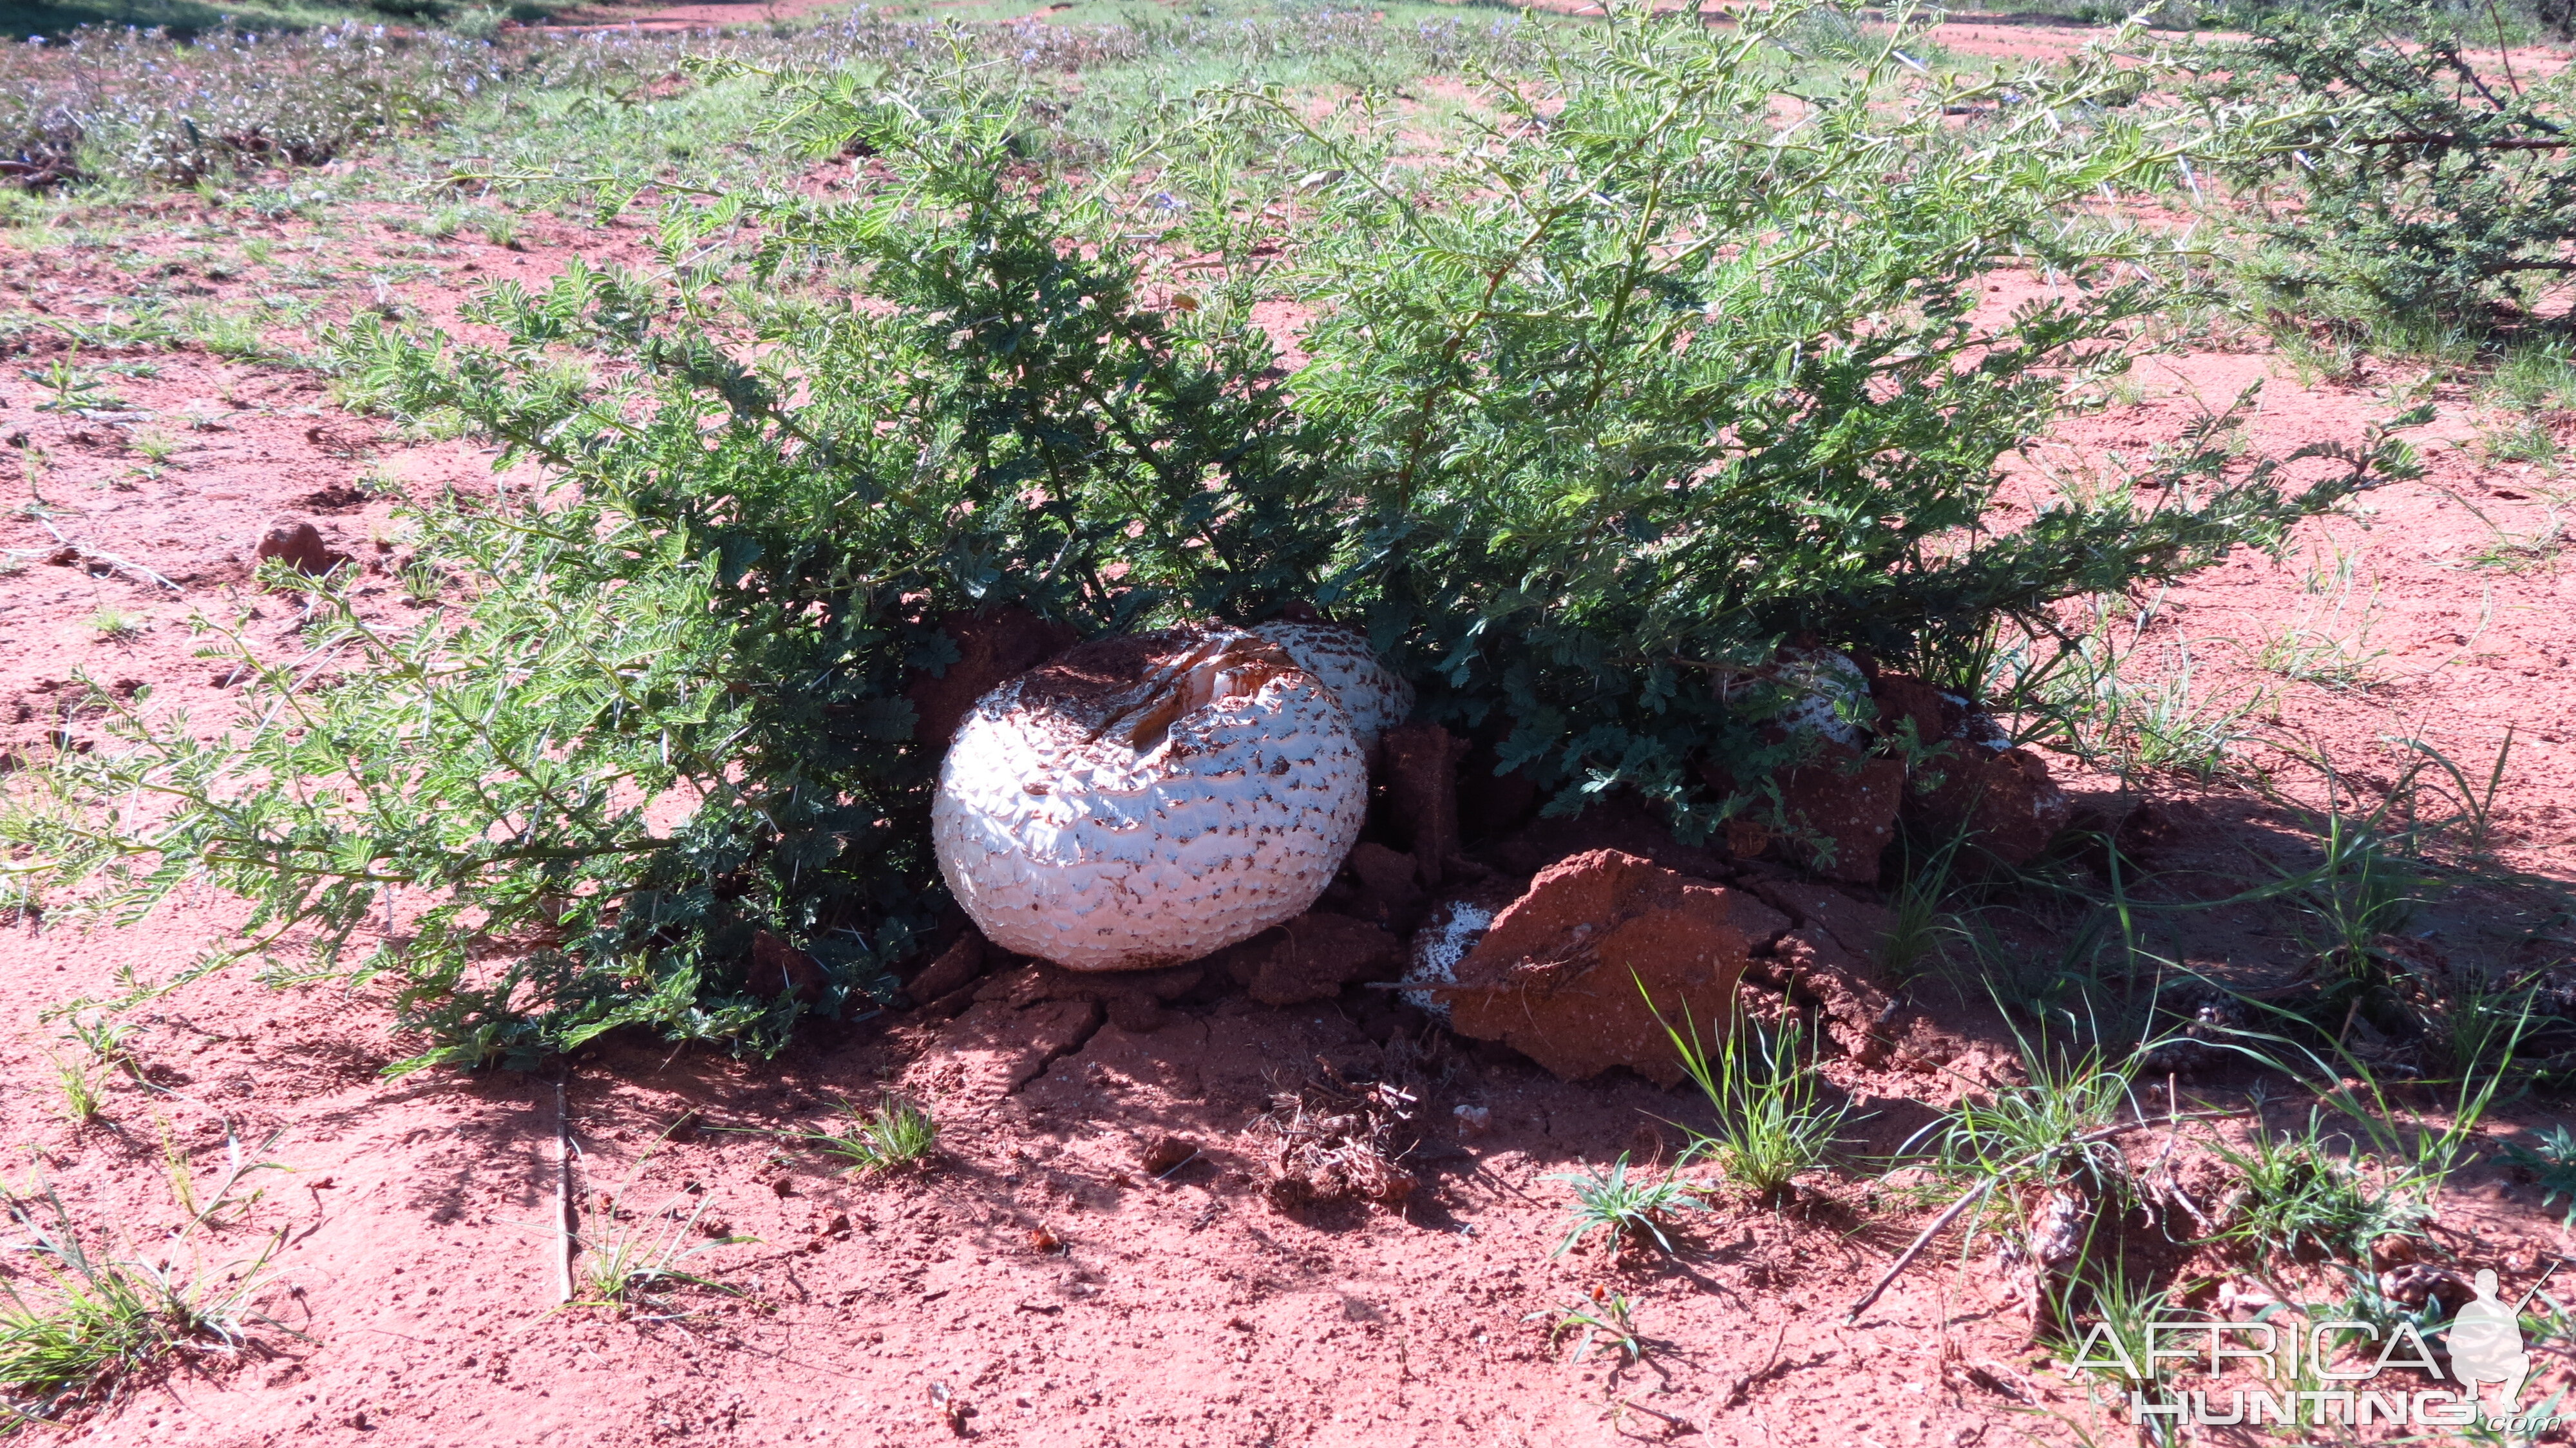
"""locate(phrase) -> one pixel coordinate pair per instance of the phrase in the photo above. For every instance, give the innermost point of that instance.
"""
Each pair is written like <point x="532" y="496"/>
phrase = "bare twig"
<point x="565" y="1243"/>
<point x="1742" y="1386"/>
<point x="110" y="559"/>
<point x="1681" y="1424"/>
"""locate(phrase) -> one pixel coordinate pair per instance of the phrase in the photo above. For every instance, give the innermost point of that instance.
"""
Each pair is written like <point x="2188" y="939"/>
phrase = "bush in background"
<point x="2428" y="181"/>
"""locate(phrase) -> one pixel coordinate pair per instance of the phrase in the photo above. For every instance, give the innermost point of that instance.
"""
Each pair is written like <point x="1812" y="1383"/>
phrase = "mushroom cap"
<point x="1146" y="800"/>
<point x="1831" y="686"/>
<point x="1445" y="939"/>
<point x="1450" y="933"/>
<point x="1377" y="697"/>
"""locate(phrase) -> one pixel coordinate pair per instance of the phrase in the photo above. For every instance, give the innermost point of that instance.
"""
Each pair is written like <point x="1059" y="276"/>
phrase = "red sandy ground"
<point x="414" y="1286"/>
<point x="721" y="14"/>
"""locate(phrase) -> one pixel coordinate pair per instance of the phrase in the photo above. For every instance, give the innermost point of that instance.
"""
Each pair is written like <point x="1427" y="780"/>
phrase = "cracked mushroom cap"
<point x="1377" y="697"/>
<point x="1146" y="800"/>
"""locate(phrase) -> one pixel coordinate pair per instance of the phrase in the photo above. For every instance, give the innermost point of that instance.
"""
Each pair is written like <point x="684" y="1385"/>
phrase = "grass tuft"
<point x="1772" y="1124"/>
<point x="2298" y="1200"/>
<point x="83" y="1100"/>
<point x="636" y="1269"/>
<point x="1628" y="1207"/>
<point x="890" y="1135"/>
<point x="115" y="625"/>
<point x="88" y="1326"/>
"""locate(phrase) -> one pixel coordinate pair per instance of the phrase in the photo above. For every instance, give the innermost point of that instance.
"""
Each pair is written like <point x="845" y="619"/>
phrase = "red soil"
<point x="1041" y="1284"/>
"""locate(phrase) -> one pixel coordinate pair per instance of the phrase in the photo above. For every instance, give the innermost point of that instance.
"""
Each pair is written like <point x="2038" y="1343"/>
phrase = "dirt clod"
<point x="1810" y="965"/>
<point x="298" y="544"/>
<point x="1861" y="928"/>
<point x="1389" y="893"/>
<point x="1843" y="807"/>
<point x="1420" y="766"/>
<point x="1902" y="697"/>
<point x="1622" y="822"/>
<point x="960" y="963"/>
<point x="2005" y="803"/>
<point x="1310" y="958"/>
<point x="1566" y="975"/>
<point x="780" y="967"/>
<point x="1165" y="1152"/>
<point x="997" y="1047"/>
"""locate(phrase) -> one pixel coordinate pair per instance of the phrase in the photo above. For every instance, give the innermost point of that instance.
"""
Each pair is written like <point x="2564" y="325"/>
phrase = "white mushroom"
<point x="1143" y="801"/>
<point x="1444" y="940"/>
<point x="1830" y="686"/>
<point x="1447" y="935"/>
<point x="1378" y="697"/>
<point x="1977" y="726"/>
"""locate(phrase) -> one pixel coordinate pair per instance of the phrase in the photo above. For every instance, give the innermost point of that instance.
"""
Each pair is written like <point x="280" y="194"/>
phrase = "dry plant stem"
<point x="109" y="559"/>
<point x="1683" y="1425"/>
<point x="1742" y="1387"/>
<point x="1977" y="1193"/>
<point x="564" y="1243"/>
